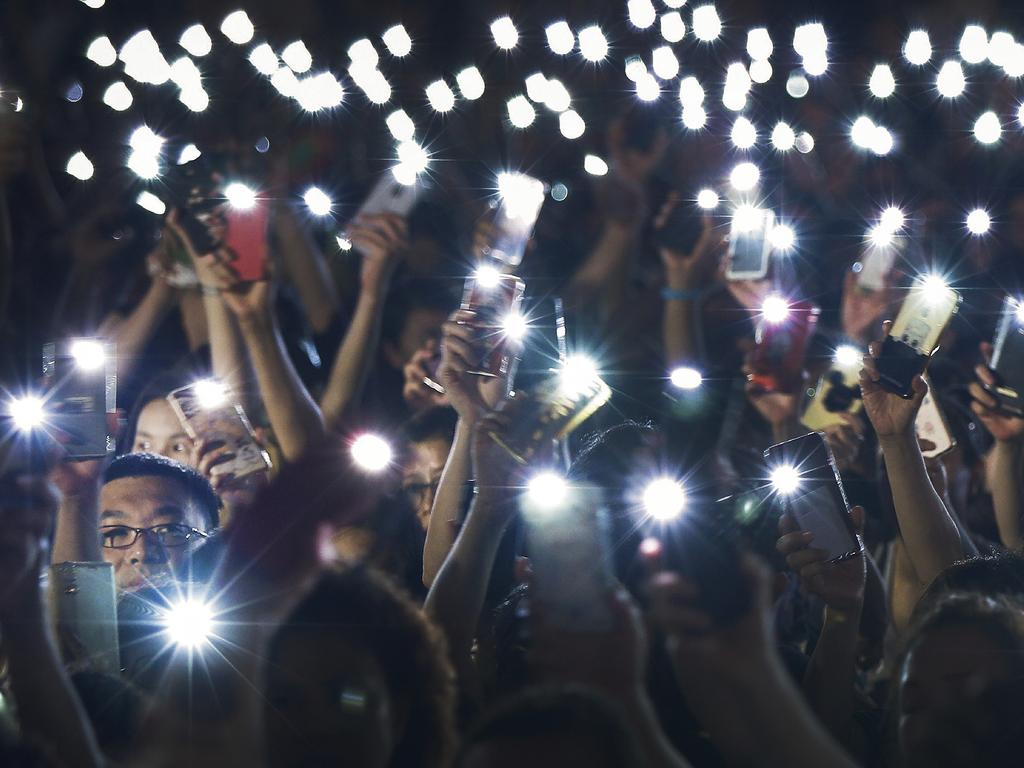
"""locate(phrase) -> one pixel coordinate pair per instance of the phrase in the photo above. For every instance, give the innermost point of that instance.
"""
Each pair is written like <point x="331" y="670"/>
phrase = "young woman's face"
<point x="951" y="709"/>
<point x="159" y="431"/>
<point x="327" y="703"/>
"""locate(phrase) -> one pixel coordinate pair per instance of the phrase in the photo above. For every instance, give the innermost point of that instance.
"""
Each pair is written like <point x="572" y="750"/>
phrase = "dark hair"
<point x="156" y="389"/>
<point x="371" y="611"/>
<point x="152" y="465"/>
<point x="999" y="575"/>
<point x="579" y="714"/>
<point x="410" y="295"/>
<point x="607" y="458"/>
<point x="439" y="421"/>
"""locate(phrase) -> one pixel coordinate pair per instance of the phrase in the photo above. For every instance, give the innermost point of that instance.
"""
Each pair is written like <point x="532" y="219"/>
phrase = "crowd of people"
<point x="428" y="559"/>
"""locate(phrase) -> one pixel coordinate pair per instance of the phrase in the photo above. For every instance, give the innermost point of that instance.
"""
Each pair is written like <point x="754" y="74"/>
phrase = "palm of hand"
<point x="1003" y="428"/>
<point x="889" y="414"/>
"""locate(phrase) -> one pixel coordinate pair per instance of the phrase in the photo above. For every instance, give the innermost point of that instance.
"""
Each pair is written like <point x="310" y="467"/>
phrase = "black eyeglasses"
<point x="170" y="535"/>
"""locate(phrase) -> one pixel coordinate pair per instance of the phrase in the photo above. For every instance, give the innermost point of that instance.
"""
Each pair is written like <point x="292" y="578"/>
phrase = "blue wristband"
<point x="671" y="294"/>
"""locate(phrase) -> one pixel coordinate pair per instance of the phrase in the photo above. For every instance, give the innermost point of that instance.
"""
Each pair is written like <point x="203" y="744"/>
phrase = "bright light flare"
<point x="397" y="41"/>
<point x="664" y="62"/>
<point x="487" y="276"/>
<point x="189" y="623"/>
<point x="664" y="499"/>
<point x="641" y="13"/>
<point x="707" y="25"/>
<point x="240" y="196"/>
<point x="673" y="28"/>
<point x="505" y="34"/>
<point x="880" y="237"/>
<point x="917" y="50"/>
<point x="761" y="71"/>
<point x="318" y="201"/>
<point x="686" y="378"/>
<point x="950" y="81"/>
<point x="89" y="354"/>
<point x="694" y="117"/>
<point x="556" y="96"/>
<point x="647" y="88"/>
<point x="882" y="141"/>
<point x="80" y="166"/>
<point x="263" y="58"/>
<point x="691" y="92"/>
<point x="775" y="309"/>
<point x="363" y="54"/>
<point x="210" y="393"/>
<point x="782" y="237"/>
<point x="974" y="44"/>
<point x="578" y="374"/>
<point x="934" y="288"/>
<point x="238" y="28"/>
<point x="150" y="202"/>
<point x="759" y="44"/>
<point x="371" y="453"/>
<point x="471" y="83"/>
<point x="744" y="177"/>
<point x="743" y="133"/>
<point x="797" y="85"/>
<point x="515" y="326"/>
<point x="297" y="56"/>
<point x="401" y="125"/>
<point x="547" y="490"/>
<point x="570" y="124"/>
<point x="707" y="199"/>
<point x="26" y="412"/>
<point x="785" y="479"/>
<point x="892" y="219"/>
<point x="196" y="40"/>
<point x="862" y="132"/>
<point x="882" y="83"/>
<point x="595" y="165"/>
<point x="783" y="137"/>
<point x="593" y="43"/>
<point x="987" y="128"/>
<point x="561" y="40"/>
<point x="101" y="52"/>
<point x="118" y="97"/>
<point x="520" y="112"/>
<point x="441" y="96"/>
<point x="848" y="356"/>
<point x="1019" y="311"/>
<point x="978" y="221"/>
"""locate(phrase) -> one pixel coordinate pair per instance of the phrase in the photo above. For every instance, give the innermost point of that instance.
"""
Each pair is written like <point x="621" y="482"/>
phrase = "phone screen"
<point x="681" y="230"/>
<point x="246" y="240"/>
<point x="923" y="317"/>
<point x="81" y="376"/>
<point x="390" y="196"/>
<point x="569" y="551"/>
<point x="813" y="493"/>
<point x="777" y="360"/>
<point x="749" y="247"/>
<point x="877" y="262"/>
<point x="521" y="198"/>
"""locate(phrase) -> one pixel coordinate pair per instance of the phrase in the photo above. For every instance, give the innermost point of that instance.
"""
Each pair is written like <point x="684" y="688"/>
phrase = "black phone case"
<point x="1008" y="365"/>
<point x="897" y="366"/>
<point x="681" y="231"/>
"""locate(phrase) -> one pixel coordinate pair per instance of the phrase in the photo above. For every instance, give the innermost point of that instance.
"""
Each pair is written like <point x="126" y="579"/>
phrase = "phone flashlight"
<point x="371" y="453"/>
<point x="487" y="276"/>
<point x="847" y="356"/>
<point x="578" y="374"/>
<point x="189" y="623"/>
<point x="515" y="326"/>
<point x="240" y="196"/>
<point x="785" y="479"/>
<point x="686" y="378"/>
<point x="27" y="412"/>
<point x="547" y="490"/>
<point x="775" y="309"/>
<point x="210" y="393"/>
<point x="1019" y="311"/>
<point x="88" y="354"/>
<point x="934" y="289"/>
<point x="664" y="499"/>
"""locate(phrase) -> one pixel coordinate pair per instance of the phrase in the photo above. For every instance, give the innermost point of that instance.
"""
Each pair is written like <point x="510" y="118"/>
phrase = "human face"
<point x="948" y="687"/>
<point x="144" y="502"/>
<point x="422" y="473"/>
<point x="328" y="703"/>
<point x="159" y="431"/>
<point x="421" y="324"/>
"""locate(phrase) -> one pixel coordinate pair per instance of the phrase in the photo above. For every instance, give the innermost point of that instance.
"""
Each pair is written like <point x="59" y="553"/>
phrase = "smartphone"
<point x="182" y="271"/>
<point x="931" y="425"/>
<point x="246" y="240"/>
<point x="749" y="246"/>
<point x="492" y="299"/>
<point x="777" y="360"/>
<point x="837" y="393"/>
<point x="84" y="605"/>
<point x="551" y="411"/>
<point x="915" y="335"/>
<point x="520" y="200"/>
<point x="81" y="377"/>
<point x="682" y="228"/>
<point x="569" y="548"/>
<point x="194" y="190"/>
<point x="208" y="411"/>
<point x="390" y="196"/>
<point x="877" y="263"/>
<point x="807" y="484"/>
<point x="433" y="380"/>
<point x="1008" y="359"/>
<point x="544" y="349"/>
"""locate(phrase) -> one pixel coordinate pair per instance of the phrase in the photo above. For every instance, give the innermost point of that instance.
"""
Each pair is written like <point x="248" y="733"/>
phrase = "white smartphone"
<point x="749" y="246"/>
<point x="391" y="196"/>
<point x="877" y="262"/>
<point x="569" y="549"/>
<point x="520" y="200"/>
<point x="931" y="425"/>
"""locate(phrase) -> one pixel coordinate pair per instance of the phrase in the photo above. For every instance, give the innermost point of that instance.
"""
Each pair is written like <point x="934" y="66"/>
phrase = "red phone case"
<point x="246" y="238"/>
<point x="778" y="358"/>
<point x="492" y="306"/>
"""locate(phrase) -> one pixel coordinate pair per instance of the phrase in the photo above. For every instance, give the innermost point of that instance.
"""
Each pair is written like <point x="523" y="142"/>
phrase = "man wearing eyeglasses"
<point x="152" y="512"/>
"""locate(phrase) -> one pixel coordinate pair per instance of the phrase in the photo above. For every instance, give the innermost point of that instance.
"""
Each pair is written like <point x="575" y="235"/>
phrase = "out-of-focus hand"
<point x="1002" y="427"/>
<point x="632" y="165"/>
<point x="749" y="294"/>
<point x="890" y="414"/>
<point x="382" y="239"/>
<point x="777" y="408"/>
<point x="861" y="309"/>
<point x="234" y="492"/>
<point x="839" y="585"/>
<point x="28" y="505"/>
<point x="846" y="440"/>
<point x="494" y="468"/>
<point x="470" y="396"/>
<point x="417" y="395"/>
<point x="698" y="267"/>
<point x="698" y="647"/>
<point x="614" y="662"/>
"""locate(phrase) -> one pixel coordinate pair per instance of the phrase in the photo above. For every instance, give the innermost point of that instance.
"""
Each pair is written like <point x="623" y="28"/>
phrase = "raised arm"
<point x="381" y="239"/>
<point x="471" y="397"/>
<point x="1005" y="463"/>
<point x="304" y="265"/>
<point x="929" y="533"/>
<point x="48" y="709"/>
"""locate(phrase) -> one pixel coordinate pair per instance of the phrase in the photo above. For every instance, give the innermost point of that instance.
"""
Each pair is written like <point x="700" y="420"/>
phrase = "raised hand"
<point x="382" y="239"/>
<point x="846" y="440"/>
<point x="889" y="414"/>
<point x="28" y="505"/>
<point x="1003" y="428"/>
<point x="417" y="395"/>
<point x="839" y="585"/>
<point x="779" y="409"/>
<point x="471" y="396"/>
<point x="699" y="266"/>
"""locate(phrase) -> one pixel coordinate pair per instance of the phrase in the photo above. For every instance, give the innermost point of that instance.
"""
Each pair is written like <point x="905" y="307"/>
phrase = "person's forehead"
<point x="427" y="454"/>
<point x="953" y="652"/>
<point x="157" y="417"/>
<point x="146" y="496"/>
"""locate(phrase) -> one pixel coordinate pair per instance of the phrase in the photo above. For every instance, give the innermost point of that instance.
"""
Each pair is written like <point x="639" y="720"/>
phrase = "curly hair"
<point x="375" y="614"/>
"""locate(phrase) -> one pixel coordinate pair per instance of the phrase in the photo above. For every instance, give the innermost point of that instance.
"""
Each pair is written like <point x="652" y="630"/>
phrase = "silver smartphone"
<point x="749" y="246"/>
